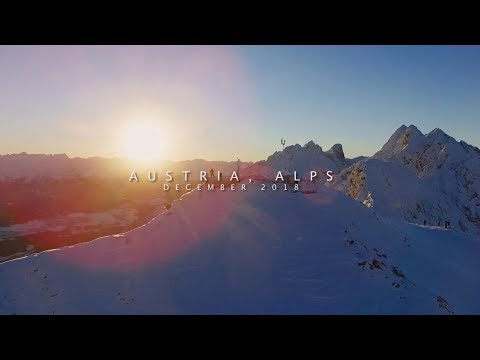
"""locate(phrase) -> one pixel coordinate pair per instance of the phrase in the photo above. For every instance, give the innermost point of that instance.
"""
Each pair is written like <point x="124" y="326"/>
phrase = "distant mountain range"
<point x="37" y="166"/>
<point x="420" y="178"/>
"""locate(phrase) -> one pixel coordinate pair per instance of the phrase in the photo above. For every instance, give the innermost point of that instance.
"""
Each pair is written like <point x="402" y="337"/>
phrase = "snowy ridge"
<point x="254" y="252"/>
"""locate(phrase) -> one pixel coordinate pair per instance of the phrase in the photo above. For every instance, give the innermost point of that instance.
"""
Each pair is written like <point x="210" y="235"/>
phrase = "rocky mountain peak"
<point x="311" y="146"/>
<point x="337" y="151"/>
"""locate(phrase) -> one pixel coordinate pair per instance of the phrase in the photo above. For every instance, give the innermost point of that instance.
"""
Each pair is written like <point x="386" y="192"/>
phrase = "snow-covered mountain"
<point x="418" y="177"/>
<point x="299" y="158"/>
<point x="254" y="252"/>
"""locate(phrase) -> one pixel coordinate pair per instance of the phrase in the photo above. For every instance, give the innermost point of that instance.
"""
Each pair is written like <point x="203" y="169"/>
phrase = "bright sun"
<point x="144" y="141"/>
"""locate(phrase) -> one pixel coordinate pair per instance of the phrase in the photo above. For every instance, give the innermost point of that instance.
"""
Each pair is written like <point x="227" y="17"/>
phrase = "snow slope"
<point x="254" y="252"/>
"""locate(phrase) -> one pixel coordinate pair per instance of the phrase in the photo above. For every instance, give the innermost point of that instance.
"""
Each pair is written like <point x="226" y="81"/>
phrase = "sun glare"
<point x="144" y="141"/>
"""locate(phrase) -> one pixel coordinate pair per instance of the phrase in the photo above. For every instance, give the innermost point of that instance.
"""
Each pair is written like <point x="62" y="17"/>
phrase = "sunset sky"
<point x="220" y="102"/>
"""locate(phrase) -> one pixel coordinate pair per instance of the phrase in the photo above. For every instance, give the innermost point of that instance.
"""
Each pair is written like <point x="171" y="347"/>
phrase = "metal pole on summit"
<point x="282" y="141"/>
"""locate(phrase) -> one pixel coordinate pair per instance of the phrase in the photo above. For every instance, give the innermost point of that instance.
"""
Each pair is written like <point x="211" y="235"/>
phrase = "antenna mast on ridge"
<point x="282" y="141"/>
